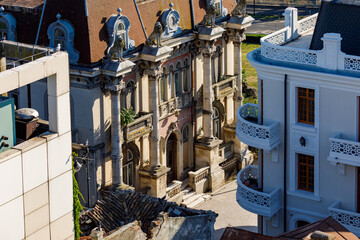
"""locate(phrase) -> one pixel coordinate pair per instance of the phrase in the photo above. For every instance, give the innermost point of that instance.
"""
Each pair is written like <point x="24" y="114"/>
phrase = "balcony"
<point x="350" y="220"/>
<point x="344" y="151"/>
<point x="224" y="87"/>
<point x="253" y="134"/>
<point x="170" y="106"/>
<point x="141" y="126"/>
<point x="290" y="46"/>
<point x="250" y="198"/>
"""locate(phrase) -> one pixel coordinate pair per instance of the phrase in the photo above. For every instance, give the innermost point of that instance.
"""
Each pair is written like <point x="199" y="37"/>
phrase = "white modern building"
<point x="36" y="198"/>
<point x="306" y="125"/>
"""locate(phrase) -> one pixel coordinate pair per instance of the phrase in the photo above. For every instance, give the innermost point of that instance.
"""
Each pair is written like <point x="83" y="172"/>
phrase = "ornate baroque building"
<point x="177" y="66"/>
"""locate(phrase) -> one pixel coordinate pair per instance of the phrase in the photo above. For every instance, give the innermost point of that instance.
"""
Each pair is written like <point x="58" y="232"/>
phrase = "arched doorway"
<point x="171" y="157"/>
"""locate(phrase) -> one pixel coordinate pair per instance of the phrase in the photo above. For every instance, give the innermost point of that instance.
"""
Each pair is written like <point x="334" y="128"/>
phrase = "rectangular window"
<point x="305" y="172"/>
<point x="306" y="105"/>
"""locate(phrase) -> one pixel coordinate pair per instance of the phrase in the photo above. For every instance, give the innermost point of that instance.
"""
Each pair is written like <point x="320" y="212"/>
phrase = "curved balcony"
<point x="349" y="219"/>
<point x="249" y="198"/>
<point x="344" y="151"/>
<point x="253" y="134"/>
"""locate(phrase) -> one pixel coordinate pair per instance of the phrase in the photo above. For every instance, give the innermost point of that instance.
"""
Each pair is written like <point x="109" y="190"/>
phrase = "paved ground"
<point x="223" y="202"/>
<point x="265" y="27"/>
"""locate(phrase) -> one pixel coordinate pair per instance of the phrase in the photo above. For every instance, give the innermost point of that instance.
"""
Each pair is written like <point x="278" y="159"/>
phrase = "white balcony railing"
<point x="350" y="220"/>
<point x="248" y="131"/>
<point x="272" y="48"/>
<point x="173" y="189"/>
<point x="264" y="204"/>
<point x="344" y="151"/>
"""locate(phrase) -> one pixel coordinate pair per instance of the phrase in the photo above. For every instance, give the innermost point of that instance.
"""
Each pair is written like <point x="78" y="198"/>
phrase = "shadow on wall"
<point x="219" y="232"/>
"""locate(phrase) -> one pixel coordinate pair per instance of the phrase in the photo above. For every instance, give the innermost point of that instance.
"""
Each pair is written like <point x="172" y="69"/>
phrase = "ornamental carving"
<point x="210" y="16"/>
<point x="155" y="36"/>
<point x="170" y="21"/>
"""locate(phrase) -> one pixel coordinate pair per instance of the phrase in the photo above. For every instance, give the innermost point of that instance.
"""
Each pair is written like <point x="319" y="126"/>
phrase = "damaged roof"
<point x="121" y="207"/>
<point x="339" y="16"/>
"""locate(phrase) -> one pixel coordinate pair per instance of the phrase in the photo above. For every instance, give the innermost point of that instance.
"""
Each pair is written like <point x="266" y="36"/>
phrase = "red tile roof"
<point x="22" y="3"/>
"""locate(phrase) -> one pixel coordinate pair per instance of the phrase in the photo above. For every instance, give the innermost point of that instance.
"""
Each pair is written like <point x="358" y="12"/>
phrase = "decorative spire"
<point x="119" y="11"/>
<point x="2" y="10"/>
<point x="171" y="6"/>
<point x="58" y="16"/>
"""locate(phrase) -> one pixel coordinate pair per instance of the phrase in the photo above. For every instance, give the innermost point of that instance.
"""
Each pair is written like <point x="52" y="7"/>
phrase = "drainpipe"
<point x="142" y="24"/>
<point x="192" y="15"/>
<point x="38" y="31"/>
<point x="285" y="146"/>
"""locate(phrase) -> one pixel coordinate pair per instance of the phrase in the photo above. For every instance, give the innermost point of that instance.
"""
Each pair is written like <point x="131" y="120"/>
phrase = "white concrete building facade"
<point x="306" y="127"/>
<point x="36" y="199"/>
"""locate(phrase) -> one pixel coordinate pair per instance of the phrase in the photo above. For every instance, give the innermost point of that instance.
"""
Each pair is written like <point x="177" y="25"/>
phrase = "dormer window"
<point x="62" y="32"/>
<point x="170" y="21"/>
<point x="118" y="26"/>
<point x="7" y="25"/>
<point x="221" y="11"/>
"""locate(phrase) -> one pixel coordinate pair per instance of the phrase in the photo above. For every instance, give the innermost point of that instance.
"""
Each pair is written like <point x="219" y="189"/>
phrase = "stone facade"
<point x="183" y="85"/>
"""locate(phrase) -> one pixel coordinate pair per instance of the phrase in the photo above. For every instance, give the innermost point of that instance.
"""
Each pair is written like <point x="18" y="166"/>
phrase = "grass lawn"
<point x="251" y="75"/>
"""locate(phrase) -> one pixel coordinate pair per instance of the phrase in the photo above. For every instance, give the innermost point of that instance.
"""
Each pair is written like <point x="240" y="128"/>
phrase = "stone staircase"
<point x="191" y="199"/>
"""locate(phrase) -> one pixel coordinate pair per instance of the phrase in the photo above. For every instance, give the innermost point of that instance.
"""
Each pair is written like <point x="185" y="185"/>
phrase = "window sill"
<point x="304" y="127"/>
<point x="304" y="194"/>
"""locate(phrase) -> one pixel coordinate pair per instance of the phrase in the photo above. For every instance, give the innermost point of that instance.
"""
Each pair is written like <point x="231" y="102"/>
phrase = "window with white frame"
<point x="121" y="33"/>
<point x="306" y="105"/>
<point x="305" y="172"/>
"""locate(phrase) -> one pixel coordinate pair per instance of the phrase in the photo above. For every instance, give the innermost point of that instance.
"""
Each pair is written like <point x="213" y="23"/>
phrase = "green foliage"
<point x="223" y="77"/>
<point x="243" y="73"/>
<point x="77" y="207"/>
<point x="255" y="35"/>
<point x="127" y="116"/>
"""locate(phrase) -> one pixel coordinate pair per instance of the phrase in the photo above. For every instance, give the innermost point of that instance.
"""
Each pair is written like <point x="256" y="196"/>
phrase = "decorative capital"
<point x="208" y="51"/>
<point x="115" y="85"/>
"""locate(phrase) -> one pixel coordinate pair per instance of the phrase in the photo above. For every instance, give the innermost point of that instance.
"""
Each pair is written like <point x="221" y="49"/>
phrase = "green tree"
<point x="77" y="207"/>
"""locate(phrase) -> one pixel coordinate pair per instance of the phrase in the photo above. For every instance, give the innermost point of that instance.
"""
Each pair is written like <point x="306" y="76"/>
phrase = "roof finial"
<point x="2" y="9"/>
<point x="119" y="11"/>
<point x="58" y="16"/>
<point x="171" y="5"/>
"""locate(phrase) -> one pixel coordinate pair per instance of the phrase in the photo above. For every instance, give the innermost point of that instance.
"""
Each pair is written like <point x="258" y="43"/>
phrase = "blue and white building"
<point x="306" y="124"/>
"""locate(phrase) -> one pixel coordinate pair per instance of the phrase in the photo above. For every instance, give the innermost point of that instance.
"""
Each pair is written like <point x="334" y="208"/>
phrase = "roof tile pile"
<point x="121" y="207"/>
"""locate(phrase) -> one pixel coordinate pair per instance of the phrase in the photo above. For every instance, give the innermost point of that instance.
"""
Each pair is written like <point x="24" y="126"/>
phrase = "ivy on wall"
<point x="77" y="207"/>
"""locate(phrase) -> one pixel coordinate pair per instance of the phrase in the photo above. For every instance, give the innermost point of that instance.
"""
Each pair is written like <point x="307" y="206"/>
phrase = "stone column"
<point x="154" y="76"/>
<point x="237" y="71"/>
<point x="115" y="88"/>
<point x="207" y="92"/>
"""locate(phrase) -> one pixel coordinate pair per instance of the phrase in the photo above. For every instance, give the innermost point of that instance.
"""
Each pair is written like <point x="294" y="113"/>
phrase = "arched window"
<point x="118" y="26"/>
<point x="128" y="168"/>
<point x="63" y="32"/>
<point x="163" y="85"/>
<point x="129" y="95"/>
<point x="171" y="83"/>
<point x="216" y="122"/>
<point x="121" y="33"/>
<point x="177" y="79"/>
<point x="3" y="30"/>
<point x="59" y="38"/>
<point x="185" y="76"/>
